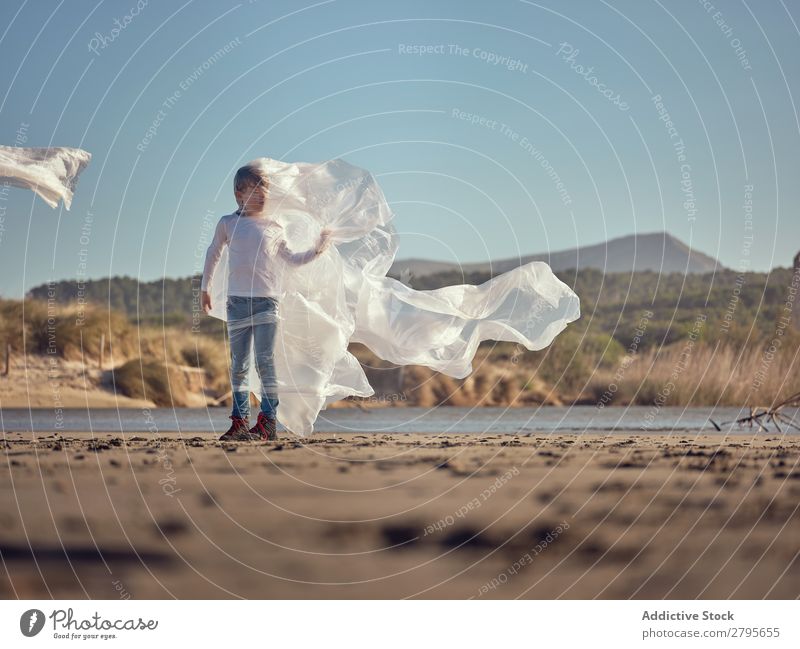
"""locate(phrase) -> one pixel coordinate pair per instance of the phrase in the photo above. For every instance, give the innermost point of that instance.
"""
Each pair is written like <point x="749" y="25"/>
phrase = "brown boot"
<point x="239" y="425"/>
<point x="266" y="428"/>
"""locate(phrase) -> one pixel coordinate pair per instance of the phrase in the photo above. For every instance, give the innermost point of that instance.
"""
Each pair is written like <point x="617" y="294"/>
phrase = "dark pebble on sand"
<point x="171" y="527"/>
<point x="400" y="536"/>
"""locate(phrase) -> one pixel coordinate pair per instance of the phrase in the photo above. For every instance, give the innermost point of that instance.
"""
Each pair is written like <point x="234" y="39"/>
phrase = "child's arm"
<point x="218" y="243"/>
<point x="300" y="258"/>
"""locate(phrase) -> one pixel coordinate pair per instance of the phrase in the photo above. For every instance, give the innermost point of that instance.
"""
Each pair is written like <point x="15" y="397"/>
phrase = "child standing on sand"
<point x="257" y="259"/>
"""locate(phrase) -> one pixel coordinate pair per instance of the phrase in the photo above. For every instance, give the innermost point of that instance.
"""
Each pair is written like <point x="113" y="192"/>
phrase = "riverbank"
<point x="391" y="516"/>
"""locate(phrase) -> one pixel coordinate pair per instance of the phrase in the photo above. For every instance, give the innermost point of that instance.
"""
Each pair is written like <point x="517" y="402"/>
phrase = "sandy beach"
<point x="401" y="516"/>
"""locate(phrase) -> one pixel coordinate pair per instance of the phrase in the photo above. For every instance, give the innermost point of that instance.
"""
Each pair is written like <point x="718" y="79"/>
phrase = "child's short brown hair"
<point x="253" y="174"/>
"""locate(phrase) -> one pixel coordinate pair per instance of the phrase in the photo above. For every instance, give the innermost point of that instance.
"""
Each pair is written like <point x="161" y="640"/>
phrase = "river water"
<point x="545" y="419"/>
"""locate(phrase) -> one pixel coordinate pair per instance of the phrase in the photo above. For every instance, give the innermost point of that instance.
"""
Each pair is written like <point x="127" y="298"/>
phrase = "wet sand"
<point x="395" y="516"/>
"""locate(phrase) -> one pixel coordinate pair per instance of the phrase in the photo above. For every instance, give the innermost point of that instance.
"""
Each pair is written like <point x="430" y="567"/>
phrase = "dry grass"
<point x="704" y="375"/>
<point x="161" y="383"/>
<point x="209" y="354"/>
<point x="33" y="326"/>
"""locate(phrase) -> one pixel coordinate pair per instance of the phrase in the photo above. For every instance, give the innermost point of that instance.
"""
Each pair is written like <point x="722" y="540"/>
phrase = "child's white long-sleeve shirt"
<point x="257" y="255"/>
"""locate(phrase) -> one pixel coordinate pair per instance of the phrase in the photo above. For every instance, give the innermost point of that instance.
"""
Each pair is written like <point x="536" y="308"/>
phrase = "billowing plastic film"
<point x="264" y="317"/>
<point x="344" y="295"/>
<point x="50" y="172"/>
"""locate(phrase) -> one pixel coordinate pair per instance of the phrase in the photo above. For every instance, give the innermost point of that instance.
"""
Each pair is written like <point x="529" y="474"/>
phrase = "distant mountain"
<point x="657" y="251"/>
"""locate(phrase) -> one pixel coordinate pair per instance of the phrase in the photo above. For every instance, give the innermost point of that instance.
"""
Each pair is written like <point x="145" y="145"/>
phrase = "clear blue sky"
<point x="306" y="81"/>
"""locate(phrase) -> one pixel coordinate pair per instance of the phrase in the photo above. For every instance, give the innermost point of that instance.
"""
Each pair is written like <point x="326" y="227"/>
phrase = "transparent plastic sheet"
<point x="50" y="172"/>
<point x="344" y="295"/>
<point x="264" y="317"/>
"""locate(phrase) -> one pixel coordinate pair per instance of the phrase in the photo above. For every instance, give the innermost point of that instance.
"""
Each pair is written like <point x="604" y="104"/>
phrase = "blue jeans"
<point x="252" y="322"/>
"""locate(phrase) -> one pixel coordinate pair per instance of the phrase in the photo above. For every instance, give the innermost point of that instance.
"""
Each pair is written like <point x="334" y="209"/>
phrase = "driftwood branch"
<point x="760" y="415"/>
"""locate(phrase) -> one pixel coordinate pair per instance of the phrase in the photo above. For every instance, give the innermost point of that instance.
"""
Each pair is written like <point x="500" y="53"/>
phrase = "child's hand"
<point x="205" y="301"/>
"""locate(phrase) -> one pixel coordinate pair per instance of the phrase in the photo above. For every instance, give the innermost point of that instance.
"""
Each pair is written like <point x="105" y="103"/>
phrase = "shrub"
<point x="161" y="383"/>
